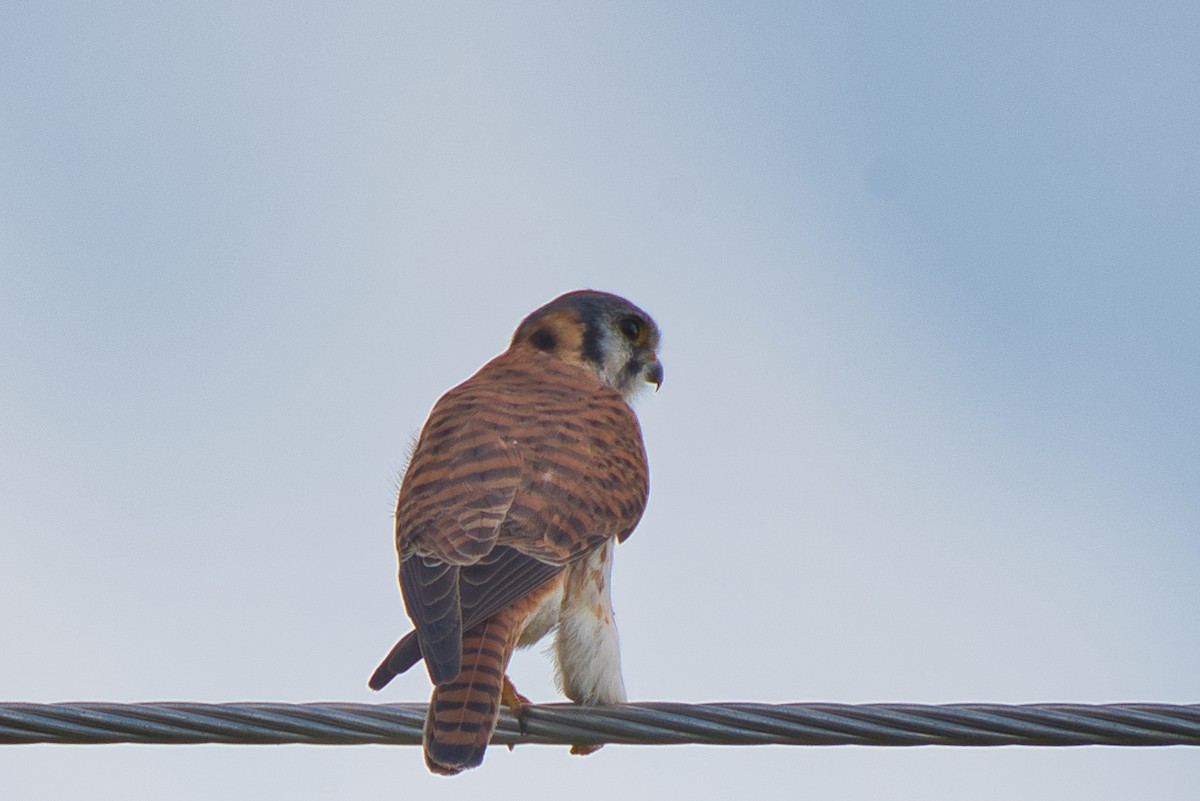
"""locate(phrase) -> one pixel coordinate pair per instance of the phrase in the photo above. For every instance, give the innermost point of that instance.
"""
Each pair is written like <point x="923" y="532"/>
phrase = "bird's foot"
<point x="511" y="698"/>
<point x="515" y="703"/>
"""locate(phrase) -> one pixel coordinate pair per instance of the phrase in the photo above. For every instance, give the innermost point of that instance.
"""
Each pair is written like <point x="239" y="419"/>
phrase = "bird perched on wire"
<point x="522" y="481"/>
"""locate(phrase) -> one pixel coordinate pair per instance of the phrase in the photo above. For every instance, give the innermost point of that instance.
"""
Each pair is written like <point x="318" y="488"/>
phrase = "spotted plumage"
<point x="523" y="479"/>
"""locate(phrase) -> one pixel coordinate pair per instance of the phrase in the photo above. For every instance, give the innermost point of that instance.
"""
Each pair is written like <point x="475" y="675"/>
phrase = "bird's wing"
<point x="523" y="468"/>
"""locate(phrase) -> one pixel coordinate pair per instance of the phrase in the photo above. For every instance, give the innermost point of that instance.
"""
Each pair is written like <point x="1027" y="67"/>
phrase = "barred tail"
<point x="463" y="712"/>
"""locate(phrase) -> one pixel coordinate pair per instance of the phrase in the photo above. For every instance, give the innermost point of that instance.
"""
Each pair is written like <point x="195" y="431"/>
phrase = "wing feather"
<point x="486" y="587"/>
<point x="432" y="587"/>
<point x="527" y="466"/>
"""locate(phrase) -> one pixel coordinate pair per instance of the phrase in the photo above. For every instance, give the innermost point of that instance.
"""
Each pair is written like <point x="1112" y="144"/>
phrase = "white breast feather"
<point x="588" y="655"/>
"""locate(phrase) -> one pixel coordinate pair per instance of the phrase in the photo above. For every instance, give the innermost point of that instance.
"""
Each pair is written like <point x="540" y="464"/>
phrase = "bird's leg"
<point x="511" y="698"/>
<point x="515" y="703"/>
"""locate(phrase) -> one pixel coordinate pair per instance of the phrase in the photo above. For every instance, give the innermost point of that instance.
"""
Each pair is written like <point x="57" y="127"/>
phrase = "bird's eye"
<point x="631" y="329"/>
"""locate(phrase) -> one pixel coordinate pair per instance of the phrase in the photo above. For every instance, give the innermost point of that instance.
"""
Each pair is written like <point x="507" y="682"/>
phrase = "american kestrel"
<point x="524" y="478"/>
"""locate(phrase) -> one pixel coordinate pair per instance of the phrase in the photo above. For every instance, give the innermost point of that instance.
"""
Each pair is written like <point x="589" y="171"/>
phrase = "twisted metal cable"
<point x="644" y="723"/>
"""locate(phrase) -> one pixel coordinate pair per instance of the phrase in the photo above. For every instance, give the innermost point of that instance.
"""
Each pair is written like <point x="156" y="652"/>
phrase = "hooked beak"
<point x="654" y="374"/>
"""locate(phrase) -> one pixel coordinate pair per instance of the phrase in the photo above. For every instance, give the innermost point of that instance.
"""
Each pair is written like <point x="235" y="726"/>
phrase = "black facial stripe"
<point x="632" y="370"/>
<point x="593" y="339"/>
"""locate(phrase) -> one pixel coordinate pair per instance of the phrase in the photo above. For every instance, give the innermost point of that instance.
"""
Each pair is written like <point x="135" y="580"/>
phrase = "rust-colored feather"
<point x="531" y="442"/>
<point x="521" y="471"/>
<point x="464" y="710"/>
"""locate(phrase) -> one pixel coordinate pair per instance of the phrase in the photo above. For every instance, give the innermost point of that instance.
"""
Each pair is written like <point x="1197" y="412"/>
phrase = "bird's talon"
<point x="511" y="698"/>
<point x="515" y="703"/>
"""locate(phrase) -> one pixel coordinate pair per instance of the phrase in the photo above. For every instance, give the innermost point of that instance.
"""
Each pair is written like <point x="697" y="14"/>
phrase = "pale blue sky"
<point x="928" y="277"/>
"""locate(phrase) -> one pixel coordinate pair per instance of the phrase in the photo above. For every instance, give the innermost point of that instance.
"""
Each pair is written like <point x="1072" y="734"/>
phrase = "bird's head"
<point x="601" y="331"/>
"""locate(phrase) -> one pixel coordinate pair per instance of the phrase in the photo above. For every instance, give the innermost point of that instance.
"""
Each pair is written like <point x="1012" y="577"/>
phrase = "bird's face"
<point x="604" y="332"/>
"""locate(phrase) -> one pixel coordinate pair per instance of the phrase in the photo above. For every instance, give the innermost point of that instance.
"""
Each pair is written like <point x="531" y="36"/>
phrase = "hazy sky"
<point x="929" y="281"/>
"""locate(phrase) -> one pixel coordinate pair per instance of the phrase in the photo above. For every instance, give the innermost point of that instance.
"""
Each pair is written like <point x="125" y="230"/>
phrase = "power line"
<point x="650" y="723"/>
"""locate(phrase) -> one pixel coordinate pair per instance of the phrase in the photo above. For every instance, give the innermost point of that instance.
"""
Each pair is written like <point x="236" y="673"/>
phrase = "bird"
<point x="522" y="481"/>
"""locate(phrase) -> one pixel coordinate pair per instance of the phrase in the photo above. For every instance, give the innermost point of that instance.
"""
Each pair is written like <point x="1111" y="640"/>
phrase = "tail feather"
<point x="463" y="712"/>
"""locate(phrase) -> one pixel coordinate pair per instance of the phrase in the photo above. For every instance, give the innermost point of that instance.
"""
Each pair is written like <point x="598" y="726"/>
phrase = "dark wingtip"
<point x="404" y="654"/>
<point x="444" y="670"/>
<point x="380" y="678"/>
